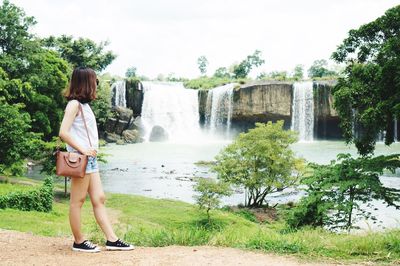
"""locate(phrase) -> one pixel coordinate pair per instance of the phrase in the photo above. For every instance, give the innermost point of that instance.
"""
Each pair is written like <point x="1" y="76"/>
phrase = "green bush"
<point x="40" y="199"/>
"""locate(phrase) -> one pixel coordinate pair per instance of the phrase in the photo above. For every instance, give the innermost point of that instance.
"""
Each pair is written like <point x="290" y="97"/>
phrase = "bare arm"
<point x="69" y="116"/>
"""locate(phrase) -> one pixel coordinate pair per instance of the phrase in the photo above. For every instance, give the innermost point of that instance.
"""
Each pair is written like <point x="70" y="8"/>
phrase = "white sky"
<point x="159" y="36"/>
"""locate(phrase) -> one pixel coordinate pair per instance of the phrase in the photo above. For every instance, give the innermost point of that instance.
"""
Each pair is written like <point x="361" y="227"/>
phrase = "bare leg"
<point x="79" y="188"/>
<point x="98" y="198"/>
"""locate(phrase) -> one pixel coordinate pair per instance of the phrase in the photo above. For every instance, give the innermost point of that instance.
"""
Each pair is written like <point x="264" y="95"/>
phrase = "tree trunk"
<point x="349" y="222"/>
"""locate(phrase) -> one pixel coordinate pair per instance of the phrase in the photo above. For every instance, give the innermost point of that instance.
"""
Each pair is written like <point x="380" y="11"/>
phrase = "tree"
<point x="211" y="192"/>
<point x="221" y="72"/>
<point x="14" y="25"/>
<point x="30" y="74"/>
<point x="202" y="63"/>
<point x="16" y="141"/>
<point x="81" y="52"/>
<point x="261" y="161"/>
<point x="336" y="192"/>
<point x="367" y="98"/>
<point x="319" y="69"/>
<point x="130" y="72"/>
<point x="298" y="72"/>
<point x="243" y="68"/>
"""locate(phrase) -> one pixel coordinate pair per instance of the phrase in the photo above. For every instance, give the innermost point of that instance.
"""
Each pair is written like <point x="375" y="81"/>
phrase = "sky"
<point x="159" y="36"/>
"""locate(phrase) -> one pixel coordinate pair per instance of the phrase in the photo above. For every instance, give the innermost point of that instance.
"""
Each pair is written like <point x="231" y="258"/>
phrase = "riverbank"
<point x="150" y="222"/>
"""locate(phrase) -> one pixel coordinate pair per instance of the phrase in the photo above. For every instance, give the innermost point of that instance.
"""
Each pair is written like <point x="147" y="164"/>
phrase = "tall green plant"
<point x="210" y="193"/>
<point x="339" y="194"/>
<point x="261" y="161"/>
<point x="368" y="96"/>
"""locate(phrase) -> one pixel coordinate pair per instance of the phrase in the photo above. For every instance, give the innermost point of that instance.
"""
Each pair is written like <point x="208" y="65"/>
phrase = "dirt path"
<point x="18" y="248"/>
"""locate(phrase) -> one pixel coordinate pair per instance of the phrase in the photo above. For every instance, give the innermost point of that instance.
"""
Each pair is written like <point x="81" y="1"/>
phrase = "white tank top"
<point x="78" y="131"/>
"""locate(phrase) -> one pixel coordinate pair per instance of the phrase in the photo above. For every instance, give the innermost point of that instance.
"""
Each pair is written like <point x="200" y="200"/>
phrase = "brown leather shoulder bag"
<point x="72" y="164"/>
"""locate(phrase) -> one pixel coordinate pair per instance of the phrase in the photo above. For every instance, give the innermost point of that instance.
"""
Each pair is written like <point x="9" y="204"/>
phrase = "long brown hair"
<point x="82" y="86"/>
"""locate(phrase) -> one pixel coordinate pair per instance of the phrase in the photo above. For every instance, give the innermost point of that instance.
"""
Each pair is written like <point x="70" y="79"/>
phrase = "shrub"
<point x="40" y="199"/>
<point x="211" y="192"/>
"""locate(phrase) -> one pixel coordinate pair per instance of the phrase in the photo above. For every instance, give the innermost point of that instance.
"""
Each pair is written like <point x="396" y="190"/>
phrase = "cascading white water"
<point x="219" y="108"/>
<point x="174" y="108"/>
<point x="120" y="90"/>
<point x="303" y="110"/>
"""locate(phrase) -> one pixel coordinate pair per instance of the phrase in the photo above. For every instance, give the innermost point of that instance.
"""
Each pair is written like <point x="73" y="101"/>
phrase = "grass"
<point x="153" y="222"/>
<point x="207" y="83"/>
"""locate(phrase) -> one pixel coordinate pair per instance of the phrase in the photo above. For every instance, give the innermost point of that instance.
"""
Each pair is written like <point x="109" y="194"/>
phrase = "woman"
<point x="81" y="91"/>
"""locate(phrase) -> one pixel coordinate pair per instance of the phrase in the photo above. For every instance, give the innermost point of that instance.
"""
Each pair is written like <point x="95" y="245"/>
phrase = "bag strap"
<point x="58" y="144"/>
<point x="84" y="122"/>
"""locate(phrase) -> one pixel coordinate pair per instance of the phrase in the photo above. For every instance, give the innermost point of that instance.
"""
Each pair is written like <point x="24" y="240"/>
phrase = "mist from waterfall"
<point x="219" y="108"/>
<point x="303" y="110"/>
<point x="174" y="108"/>
<point x="118" y="89"/>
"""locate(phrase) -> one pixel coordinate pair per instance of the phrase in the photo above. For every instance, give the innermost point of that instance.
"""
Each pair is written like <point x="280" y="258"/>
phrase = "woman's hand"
<point x="90" y="152"/>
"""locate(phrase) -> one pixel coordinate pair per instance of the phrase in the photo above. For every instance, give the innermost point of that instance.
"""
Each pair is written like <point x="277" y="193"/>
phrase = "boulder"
<point x="123" y="113"/>
<point x="110" y="124"/>
<point x="135" y="123"/>
<point x="131" y="136"/>
<point x="111" y="137"/>
<point x="120" y="126"/>
<point x="158" y="133"/>
<point x="120" y="142"/>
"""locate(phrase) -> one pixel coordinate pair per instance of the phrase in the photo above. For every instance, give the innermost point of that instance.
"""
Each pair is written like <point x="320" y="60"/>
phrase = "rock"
<point x="202" y="105"/>
<point x="326" y="120"/>
<point x="262" y="102"/>
<point x="120" y="142"/>
<point x="111" y="137"/>
<point x="158" y="133"/>
<point x="134" y="96"/>
<point x="123" y="113"/>
<point x="120" y="126"/>
<point x="110" y="124"/>
<point x="131" y="136"/>
<point x="135" y="123"/>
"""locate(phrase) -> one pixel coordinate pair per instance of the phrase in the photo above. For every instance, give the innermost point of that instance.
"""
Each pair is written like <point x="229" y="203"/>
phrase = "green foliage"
<point x="102" y="105"/>
<point x="274" y="75"/>
<point x="298" y="73"/>
<point x="261" y="161"/>
<point x="211" y="192"/>
<point x="319" y="69"/>
<point x="243" y="68"/>
<point x="367" y="97"/>
<point x="207" y="83"/>
<point x="222" y="72"/>
<point x="202" y="63"/>
<point x="14" y="28"/>
<point x="40" y="199"/>
<point x="336" y="192"/>
<point x="81" y="52"/>
<point x="131" y="72"/>
<point x="16" y="141"/>
<point x="154" y="222"/>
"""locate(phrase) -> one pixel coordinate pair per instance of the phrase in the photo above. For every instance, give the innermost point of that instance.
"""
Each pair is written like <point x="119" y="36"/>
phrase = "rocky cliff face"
<point x="326" y="120"/>
<point x="134" y="96"/>
<point x="262" y="102"/>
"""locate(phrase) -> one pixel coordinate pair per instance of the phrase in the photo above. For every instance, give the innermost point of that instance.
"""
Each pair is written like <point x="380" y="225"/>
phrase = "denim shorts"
<point x="92" y="165"/>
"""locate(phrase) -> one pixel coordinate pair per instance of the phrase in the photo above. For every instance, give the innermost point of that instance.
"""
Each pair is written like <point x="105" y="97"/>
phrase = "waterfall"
<point x="174" y="108"/>
<point x="303" y="110"/>
<point x="118" y="89"/>
<point x="219" y="109"/>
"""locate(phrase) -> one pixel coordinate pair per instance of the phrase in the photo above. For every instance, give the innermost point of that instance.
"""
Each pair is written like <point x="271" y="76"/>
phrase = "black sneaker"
<point x="118" y="245"/>
<point x="85" y="246"/>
